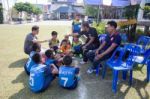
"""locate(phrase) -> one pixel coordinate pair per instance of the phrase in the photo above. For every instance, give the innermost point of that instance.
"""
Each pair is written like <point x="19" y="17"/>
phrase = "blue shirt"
<point x="49" y="61"/>
<point x="32" y="53"/>
<point x="30" y="63"/>
<point x="76" y="26"/>
<point x="40" y="77"/>
<point x="67" y="75"/>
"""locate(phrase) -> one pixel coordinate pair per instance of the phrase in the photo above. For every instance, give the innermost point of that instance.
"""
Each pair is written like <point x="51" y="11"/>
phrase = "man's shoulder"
<point x="93" y="30"/>
<point x="29" y="35"/>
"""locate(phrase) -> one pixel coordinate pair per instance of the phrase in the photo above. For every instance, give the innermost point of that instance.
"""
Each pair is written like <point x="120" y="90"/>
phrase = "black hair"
<point x="49" y="53"/>
<point x="64" y="41"/>
<point x="112" y="23"/>
<point x="77" y="14"/>
<point x="67" y="60"/>
<point x="35" y="46"/>
<point x="85" y="24"/>
<point x="54" y="33"/>
<point x="34" y="28"/>
<point x="36" y="58"/>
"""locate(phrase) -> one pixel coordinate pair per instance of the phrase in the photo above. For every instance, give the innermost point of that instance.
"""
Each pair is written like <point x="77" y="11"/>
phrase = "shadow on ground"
<point x="19" y="63"/>
<point x="90" y="87"/>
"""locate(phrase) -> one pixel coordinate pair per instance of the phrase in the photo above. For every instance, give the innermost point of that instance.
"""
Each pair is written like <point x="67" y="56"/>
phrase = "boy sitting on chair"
<point x="68" y="74"/>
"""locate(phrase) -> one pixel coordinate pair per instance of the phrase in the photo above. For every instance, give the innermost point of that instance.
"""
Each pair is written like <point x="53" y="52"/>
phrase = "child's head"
<point x="49" y="53"/>
<point x="64" y="42"/>
<point x="36" y="58"/>
<point x="76" y="38"/>
<point x="36" y="47"/>
<point x="67" y="60"/>
<point x="54" y="34"/>
<point x="66" y="37"/>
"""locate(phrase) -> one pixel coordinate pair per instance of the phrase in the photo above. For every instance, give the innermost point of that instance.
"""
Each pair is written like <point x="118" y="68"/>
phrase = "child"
<point x="76" y="44"/>
<point x="67" y="39"/>
<point x="41" y="75"/>
<point x="54" y="42"/>
<point x="68" y="74"/>
<point x="36" y="48"/>
<point x="49" y="57"/>
<point x="65" y="47"/>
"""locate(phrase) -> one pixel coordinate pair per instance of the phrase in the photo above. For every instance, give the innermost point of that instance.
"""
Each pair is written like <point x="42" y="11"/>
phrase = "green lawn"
<point x="14" y="81"/>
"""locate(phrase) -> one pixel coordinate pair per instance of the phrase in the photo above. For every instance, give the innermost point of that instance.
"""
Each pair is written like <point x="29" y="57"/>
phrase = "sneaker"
<point x="90" y="70"/>
<point x="73" y="57"/>
<point x="82" y="62"/>
<point x="80" y="55"/>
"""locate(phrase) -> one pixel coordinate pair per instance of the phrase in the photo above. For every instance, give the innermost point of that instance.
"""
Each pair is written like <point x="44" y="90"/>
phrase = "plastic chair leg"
<point x="124" y="75"/>
<point x="97" y="70"/>
<point x="130" y="80"/>
<point x="148" y="73"/>
<point x="114" y="82"/>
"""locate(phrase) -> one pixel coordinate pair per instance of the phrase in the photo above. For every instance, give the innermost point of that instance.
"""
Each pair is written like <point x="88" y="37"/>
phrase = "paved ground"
<point x="14" y="81"/>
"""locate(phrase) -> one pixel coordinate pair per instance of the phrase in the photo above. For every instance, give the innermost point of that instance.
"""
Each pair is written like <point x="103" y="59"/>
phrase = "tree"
<point x="28" y="8"/>
<point x="91" y="11"/>
<point x="37" y="11"/>
<point x="147" y="11"/>
<point x="19" y="7"/>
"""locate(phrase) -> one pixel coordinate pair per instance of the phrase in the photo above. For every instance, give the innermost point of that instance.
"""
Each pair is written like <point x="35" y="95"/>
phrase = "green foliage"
<point x="139" y="31"/>
<point x="147" y="11"/>
<point x="99" y="27"/>
<point x="131" y="11"/>
<point x="19" y="7"/>
<point x="27" y="7"/>
<point x="1" y="14"/>
<point x="37" y="11"/>
<point x="91" y="11"/>
<point x="147" y="8"/>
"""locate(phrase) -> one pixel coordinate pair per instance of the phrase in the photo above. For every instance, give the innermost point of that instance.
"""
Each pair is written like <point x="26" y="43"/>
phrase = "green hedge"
<point x="99" y="27"/>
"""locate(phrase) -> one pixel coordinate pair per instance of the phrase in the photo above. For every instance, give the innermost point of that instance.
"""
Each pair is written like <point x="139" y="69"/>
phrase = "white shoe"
<point x="89" y="71"/>
<point x="73" y="57"/>
<point x="82" y="62"/>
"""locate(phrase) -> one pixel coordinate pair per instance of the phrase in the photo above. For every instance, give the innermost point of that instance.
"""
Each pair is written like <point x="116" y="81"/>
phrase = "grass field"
<point x="14" y="81"/>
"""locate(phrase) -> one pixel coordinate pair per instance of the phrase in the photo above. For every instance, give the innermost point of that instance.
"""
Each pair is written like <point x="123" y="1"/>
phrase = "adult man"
<point x="92" y="41"/>
<point x="31" y="38"/>
<point x="105" y="50"/>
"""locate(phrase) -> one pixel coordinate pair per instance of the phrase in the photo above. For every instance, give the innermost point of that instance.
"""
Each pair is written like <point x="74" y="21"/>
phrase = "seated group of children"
<point x="56" y="62"/>
<point x="65" y="46"/>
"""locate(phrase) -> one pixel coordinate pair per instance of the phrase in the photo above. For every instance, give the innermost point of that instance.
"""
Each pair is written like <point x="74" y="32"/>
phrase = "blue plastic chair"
<point x="144" y="43"/>
<point x="122" y="60"/>
<point x="145" y="60"/>
<point x="116" y="57"/>
<point x="124" y="37"/>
